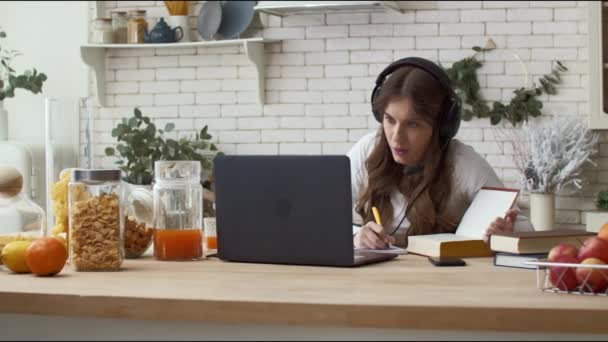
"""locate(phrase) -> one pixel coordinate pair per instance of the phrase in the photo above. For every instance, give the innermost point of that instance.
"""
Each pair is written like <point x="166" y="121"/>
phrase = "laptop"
<point x="287" y="210"/>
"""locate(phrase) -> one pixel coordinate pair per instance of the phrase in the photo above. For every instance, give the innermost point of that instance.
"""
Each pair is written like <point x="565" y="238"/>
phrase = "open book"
<point x="467" y="241"/>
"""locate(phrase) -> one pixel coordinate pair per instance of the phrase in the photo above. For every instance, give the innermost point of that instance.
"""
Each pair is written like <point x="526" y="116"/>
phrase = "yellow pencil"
<point x="376" y="215"/>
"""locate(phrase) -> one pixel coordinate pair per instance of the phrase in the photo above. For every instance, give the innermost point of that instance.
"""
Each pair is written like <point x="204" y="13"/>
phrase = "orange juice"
<point x="212" y="242"/>
<point x="178" y="244"/>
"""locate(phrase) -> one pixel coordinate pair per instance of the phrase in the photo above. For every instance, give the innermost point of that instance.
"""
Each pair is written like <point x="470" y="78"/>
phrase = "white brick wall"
<point x="319" y="78"/>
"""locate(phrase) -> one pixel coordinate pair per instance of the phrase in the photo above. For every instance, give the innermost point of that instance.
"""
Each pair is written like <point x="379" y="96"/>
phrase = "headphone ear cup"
<point x="377" y="115"/>
<point x="450" y="123"/>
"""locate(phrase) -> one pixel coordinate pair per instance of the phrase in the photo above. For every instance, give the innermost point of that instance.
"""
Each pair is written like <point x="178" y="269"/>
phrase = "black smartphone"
<point x="447" y="261"/>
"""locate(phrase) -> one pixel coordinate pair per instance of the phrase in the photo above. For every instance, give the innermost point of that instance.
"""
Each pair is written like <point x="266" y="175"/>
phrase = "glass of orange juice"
<point x="178" y="211"/>
<point x="210" y="233"/>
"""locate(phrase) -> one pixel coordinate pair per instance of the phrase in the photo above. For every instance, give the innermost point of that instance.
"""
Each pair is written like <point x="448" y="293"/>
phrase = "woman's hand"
<point x="501" y="225"/>
<point x="372" y="235"/>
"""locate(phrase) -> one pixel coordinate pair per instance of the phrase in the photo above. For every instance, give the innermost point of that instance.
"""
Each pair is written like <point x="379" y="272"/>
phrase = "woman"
<point x="413" y="161"/>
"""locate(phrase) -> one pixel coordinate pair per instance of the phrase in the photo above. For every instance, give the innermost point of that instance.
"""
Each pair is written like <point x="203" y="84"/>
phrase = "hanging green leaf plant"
<point x="521" y="107"/>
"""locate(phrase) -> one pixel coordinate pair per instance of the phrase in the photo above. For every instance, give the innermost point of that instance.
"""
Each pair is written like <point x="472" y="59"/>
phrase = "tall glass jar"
<point x="119" y="26"/>
<point x="136" y="26"/>
<point x="178" y="211"/>
<point x="95" y="220"/>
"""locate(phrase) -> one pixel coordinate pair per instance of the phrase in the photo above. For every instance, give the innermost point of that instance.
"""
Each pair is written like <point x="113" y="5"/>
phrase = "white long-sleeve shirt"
<point x="471" y="173"/>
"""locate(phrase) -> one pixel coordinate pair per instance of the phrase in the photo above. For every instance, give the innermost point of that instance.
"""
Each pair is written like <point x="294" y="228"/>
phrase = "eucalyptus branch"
<point x="140" y="144"/>
<point x="520" y="108"/>
<point x="29" y="80"/>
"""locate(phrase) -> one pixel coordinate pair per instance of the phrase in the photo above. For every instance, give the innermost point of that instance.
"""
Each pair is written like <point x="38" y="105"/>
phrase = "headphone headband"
<point x="431" y="68"/>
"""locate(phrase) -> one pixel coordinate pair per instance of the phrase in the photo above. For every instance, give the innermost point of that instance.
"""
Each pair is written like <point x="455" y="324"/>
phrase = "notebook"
<point x="390" y="250"/>
<point x="537" y="242"/>
<point x="488" y="204"/>
<point x="517" y="260"/>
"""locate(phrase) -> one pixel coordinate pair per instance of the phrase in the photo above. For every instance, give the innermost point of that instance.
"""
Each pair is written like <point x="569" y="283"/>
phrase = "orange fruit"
<point x="46" y="256"/>
<point x="603" y="233"/>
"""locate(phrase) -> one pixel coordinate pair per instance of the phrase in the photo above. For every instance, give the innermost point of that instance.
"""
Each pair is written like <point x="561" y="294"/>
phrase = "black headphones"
<point x="449" y="120"/>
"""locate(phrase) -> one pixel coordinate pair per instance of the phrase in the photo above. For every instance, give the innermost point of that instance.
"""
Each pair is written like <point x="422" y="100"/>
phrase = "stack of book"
<point x="513" y="249"/>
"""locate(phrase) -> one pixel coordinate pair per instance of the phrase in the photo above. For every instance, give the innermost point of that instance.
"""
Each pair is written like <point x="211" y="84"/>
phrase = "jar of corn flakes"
<point x="96" y="232"/>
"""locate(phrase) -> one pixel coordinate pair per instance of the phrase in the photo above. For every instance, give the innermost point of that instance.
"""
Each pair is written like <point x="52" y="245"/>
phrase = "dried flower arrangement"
<point x="550" y="156"/>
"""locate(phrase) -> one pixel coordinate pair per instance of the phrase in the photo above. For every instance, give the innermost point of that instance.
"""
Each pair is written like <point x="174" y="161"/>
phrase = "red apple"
<point x="561" y="250"/>
<point x="564" y="278"/>
<point x="594" y="247"/>
<point x="595" y="280"/>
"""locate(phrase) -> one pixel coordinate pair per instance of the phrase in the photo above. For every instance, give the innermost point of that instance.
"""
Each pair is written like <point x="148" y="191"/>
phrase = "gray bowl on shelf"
<point x="236" y="17"/>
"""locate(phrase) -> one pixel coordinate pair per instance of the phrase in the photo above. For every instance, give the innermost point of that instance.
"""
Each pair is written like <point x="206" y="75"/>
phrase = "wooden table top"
<point x="407" y="292"/>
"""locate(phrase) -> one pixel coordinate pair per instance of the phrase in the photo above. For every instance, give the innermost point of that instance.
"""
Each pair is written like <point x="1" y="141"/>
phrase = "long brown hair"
<point x="428" y="214"/>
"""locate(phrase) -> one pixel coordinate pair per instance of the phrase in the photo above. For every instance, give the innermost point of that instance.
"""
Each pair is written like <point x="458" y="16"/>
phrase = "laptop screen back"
<point x="284" y="209"/>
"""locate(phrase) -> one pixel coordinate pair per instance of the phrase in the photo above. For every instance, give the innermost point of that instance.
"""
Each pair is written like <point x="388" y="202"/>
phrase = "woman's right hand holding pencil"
<point x="372" y="235"/>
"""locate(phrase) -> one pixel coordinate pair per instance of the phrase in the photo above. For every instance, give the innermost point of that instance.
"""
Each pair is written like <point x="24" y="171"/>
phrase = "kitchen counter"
<point x="405" y="293"/>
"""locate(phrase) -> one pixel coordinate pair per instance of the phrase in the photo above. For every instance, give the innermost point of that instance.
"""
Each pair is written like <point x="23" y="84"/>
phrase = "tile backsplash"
<point x="319" y="77"/>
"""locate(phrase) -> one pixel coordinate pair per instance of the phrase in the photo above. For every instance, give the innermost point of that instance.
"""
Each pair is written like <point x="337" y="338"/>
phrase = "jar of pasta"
<point x="95" y="219"/>
<point x="136" y="26"/>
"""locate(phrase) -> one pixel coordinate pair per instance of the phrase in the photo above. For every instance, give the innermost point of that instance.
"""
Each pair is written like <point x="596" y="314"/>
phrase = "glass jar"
<point x="210" y="234"/>
<point x="95" y="220"/>
<point x="178" y="210"/>
<point x="59" y="218"/>
<point x="21" y="218"/>
<point x="136" y="26"/>
<point x="119" y="26"/>
<point x="137" y="208"/>
<point x="102" y="31"/>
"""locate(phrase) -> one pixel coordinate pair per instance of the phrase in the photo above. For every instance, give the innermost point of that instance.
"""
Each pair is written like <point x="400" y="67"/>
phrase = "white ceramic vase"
<point x="3" y="122"/>
<point x="542" y="211"/>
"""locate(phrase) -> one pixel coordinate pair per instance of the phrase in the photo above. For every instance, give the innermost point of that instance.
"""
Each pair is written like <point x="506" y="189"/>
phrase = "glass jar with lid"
<point x="21" y="218"/>
<point x="119" y="26"/>
<point x="178" y="211"/>
<point x="95" y="220"/>
<point x="102" y="31"/>
<point x="136" y="26"/>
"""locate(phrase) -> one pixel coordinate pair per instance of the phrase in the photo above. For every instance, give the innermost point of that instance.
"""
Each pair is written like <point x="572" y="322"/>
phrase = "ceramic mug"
<point x="180" y="21"/>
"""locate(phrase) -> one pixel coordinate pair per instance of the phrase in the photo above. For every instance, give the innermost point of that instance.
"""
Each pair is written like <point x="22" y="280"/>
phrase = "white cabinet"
<point x="598" y="64"/>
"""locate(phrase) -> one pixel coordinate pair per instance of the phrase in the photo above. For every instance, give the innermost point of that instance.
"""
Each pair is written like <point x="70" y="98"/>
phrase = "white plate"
<point x="209" y="19"/>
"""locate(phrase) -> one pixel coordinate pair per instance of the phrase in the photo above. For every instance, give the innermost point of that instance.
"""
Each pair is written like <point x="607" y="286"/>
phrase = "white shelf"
<point x="94" y="55"/>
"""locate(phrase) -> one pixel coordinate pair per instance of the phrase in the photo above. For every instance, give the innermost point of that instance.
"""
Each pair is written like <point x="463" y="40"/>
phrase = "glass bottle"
<point x="102" y="31"/>
<point x="178" y="210"/>
<point x="95" y="220"/>
<point x="119" y="26"/>
<point x="136" y="26"/>
<point x="20" y="217"/>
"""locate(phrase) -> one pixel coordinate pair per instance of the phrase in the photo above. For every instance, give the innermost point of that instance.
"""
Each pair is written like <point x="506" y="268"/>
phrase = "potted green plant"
<point x="10" y="80"/>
